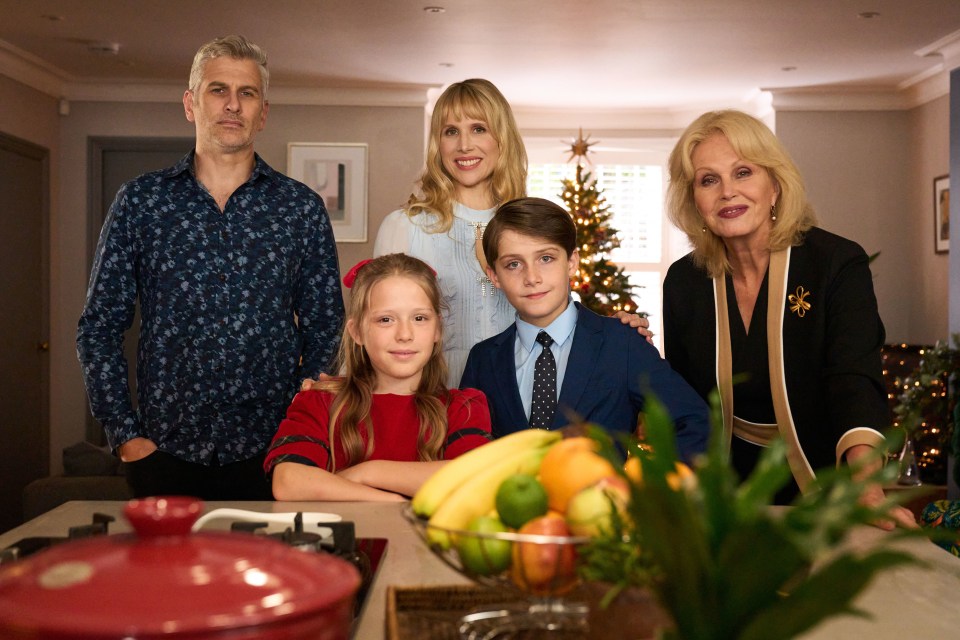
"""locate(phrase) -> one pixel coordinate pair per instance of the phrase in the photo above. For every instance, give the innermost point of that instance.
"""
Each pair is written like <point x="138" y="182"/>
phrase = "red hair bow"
<point x="351" y="276"/>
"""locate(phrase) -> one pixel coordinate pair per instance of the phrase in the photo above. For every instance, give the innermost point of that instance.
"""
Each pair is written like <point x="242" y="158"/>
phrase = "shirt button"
<point x="223" y="321"/>
<point x="223" y="277"/>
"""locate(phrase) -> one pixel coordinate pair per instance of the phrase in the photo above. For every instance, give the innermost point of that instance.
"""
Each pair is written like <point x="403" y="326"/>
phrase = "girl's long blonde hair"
<point x="480" y="99"/>
<point x="350" y="411"/>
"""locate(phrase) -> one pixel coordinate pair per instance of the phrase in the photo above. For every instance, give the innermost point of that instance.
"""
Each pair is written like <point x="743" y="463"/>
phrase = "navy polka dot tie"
<point x="544" y="403"/>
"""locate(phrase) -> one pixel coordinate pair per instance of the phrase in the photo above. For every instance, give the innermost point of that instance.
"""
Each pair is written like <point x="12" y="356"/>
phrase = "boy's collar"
<point x="560" y="329"/>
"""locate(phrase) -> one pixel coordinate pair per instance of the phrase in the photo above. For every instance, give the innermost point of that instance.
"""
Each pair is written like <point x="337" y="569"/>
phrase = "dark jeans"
<point x="161" y="474"/>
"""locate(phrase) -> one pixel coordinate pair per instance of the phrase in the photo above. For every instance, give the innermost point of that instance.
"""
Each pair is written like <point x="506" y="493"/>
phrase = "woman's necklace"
<point x="478" y="229"/>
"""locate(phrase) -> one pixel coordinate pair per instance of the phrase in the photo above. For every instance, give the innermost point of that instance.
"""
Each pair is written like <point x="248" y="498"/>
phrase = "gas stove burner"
<point x="364" y="554"/>
<point x="338" y="538"/>
<point x="99" y="526"/>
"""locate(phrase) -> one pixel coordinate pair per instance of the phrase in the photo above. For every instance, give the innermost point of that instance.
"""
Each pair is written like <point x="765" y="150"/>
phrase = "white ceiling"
<point x="655" y="55"/>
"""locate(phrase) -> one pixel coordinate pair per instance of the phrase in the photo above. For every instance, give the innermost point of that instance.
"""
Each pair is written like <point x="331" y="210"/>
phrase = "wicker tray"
<point x="434" y="613"/>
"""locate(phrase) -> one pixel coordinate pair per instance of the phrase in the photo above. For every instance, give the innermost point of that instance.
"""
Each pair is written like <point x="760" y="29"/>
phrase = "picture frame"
<point x="338" y="172"/>
<point x="941" y="214"/>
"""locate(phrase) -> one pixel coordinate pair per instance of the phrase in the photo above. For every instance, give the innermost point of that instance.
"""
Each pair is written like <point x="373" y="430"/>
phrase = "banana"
<point x="477" y="496"/>
<point x="435" y="490"/>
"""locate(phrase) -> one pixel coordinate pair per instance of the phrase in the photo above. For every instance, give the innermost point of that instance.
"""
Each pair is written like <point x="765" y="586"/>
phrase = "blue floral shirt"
<point x="237" y="307"/>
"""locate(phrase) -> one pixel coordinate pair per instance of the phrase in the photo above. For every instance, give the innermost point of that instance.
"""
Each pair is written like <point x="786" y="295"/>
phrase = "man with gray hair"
<point x="235" y="268"/>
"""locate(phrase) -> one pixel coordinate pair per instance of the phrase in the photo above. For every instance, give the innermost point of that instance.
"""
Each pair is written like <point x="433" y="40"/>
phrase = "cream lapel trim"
<point x="776" y="309"/>
<point x="724" y="357"/>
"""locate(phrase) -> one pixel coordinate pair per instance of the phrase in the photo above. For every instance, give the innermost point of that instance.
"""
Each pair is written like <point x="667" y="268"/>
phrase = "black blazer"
<point x="610" y="370"/>
<point x="831" y="355"/>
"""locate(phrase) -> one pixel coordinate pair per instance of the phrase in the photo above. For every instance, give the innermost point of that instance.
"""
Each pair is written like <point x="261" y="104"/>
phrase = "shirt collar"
<point x="186" y="165"/>
<point x="560" y="329"/>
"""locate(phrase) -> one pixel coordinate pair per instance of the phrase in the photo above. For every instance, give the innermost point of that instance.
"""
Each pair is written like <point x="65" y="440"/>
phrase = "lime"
<point x="520" y="499"/>
<point x="484" y="556"/>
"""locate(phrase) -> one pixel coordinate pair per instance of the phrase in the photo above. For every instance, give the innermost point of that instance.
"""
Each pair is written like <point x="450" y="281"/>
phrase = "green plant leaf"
<point x="716" y="554"/>
<point x="769" y="476"/>
<point x="828" y="592"/>
<point x="755" y="561"/>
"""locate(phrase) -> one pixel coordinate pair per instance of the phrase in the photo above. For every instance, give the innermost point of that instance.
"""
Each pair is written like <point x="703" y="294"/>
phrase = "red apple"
<point x="544" y="568"/>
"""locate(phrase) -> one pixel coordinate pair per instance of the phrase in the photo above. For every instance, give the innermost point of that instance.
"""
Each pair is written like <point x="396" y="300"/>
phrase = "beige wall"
<point x="870" y="176"/>
<point x="929" y="157"/>
<point x="395" y="139"/>
<point x="29" y="114"/>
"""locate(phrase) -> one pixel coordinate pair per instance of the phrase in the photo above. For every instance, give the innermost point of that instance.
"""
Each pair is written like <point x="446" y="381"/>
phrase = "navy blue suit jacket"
<point x="610" y="370"/>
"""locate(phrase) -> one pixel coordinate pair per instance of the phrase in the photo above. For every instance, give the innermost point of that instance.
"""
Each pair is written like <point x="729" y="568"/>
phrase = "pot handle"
<point x="310" y="518"/>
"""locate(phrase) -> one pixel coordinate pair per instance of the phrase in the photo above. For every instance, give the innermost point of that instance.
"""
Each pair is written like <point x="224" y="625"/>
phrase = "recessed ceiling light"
<point x="434" y="9"/>
<point x="788" y="68"/>
<point x="104" y="48"/>
<point x="867" y="15"/>
<point x="446" y="64"/>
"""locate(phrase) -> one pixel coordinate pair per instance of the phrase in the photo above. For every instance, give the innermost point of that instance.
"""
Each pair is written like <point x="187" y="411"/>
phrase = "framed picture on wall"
<point x="338" y="172"/>
<point x="941" y="214"/>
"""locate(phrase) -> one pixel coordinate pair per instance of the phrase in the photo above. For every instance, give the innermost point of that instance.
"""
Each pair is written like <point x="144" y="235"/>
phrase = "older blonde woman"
<point x="771" y="300"/>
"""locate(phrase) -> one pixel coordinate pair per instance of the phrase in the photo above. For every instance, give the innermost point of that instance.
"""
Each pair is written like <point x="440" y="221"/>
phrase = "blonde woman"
<point x="769" y="298"/>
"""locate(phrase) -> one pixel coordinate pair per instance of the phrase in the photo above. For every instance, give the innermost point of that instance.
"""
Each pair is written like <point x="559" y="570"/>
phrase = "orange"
<point x="682" y="478"/>
<point x="569" y="466"/>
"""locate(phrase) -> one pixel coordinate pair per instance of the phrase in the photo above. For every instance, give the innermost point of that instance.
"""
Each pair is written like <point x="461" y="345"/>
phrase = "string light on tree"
<point x="608" y="289"/>
<point x="926" y="409"/>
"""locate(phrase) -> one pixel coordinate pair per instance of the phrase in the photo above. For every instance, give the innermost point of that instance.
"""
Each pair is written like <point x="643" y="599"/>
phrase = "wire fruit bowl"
<point x="540" y="568"/>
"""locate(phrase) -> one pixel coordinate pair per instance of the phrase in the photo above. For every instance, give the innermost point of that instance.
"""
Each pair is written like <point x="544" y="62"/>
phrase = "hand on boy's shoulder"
<point x="638" y="322"/>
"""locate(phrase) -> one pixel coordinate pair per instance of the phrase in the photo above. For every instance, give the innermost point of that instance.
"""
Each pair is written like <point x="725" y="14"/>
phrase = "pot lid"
<point x="166" y="581"/>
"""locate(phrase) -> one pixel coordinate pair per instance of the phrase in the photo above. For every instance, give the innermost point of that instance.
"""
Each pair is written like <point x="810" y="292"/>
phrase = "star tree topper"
<point x="580" y="147"/>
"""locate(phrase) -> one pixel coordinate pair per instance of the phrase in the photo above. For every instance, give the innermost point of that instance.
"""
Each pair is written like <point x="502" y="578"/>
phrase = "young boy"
<point x="594" y="367"/>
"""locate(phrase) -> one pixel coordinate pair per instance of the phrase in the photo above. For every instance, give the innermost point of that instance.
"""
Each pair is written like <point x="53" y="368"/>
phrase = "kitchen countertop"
<point x="905" y="602"/>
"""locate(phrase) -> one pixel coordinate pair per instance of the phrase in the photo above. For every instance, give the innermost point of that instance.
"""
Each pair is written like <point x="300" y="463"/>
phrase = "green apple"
<point x="484" y="555"/>
<point x="521" y="498"/>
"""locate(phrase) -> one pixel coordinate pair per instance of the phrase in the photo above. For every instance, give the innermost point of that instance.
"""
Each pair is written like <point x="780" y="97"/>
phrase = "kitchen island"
<point x="905" y="602"/>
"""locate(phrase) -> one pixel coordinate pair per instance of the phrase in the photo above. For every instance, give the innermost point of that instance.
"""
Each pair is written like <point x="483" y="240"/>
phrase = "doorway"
<point x="24" y="322"/>
<point x="112" y="162"/>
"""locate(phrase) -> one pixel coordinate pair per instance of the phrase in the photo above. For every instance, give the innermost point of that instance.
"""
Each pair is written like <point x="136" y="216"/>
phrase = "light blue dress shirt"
<point x="526" y="349"/>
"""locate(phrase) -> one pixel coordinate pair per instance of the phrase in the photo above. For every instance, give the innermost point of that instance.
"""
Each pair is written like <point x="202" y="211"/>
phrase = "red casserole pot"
<point x="165" y="582"/>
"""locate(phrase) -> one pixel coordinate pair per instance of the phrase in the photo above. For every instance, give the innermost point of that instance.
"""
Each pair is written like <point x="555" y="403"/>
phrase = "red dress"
<point x="303" y="435"/>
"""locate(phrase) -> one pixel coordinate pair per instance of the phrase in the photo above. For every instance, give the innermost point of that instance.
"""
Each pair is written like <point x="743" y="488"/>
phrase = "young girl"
<point x="379" y="431"/>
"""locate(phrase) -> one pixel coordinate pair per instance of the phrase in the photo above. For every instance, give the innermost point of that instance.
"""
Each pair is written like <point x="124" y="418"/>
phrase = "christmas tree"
<point x="603" y="286"/>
